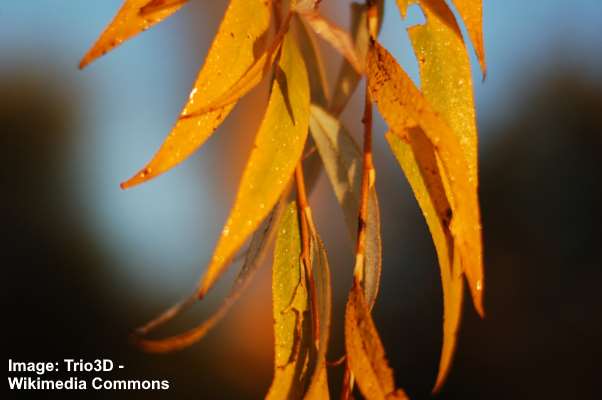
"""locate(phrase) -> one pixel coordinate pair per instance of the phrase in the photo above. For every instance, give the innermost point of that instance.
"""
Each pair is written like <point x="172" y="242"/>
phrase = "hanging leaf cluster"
<point x="432" y="133"/>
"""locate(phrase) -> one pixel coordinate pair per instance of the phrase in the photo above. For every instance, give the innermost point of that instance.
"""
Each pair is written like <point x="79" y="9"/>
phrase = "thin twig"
<point x="306" y="222"/>
<point x="368" y="177"/>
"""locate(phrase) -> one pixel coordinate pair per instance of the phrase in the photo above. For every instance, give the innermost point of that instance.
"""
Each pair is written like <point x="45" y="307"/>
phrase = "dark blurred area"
<point x="540" y="197"/>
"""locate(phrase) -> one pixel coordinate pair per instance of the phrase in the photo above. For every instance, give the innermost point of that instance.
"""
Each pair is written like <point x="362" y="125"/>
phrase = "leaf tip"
<point x="140" y="177"/>
<point x="477" y="297"/>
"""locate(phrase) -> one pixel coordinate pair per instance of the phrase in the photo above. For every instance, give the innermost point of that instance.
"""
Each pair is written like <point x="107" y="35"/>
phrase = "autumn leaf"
<point x="403" y="106"/>
<point x="300" y="357"/>
<point x="446" y="83"/>
<point x="335" y="36"/>
<point x="472" y="14"/>
<point x="295" y="356"/>
<point x="254" y="257"/>
<point x="135" y="16"/>
<point x="341" y="156"/>
<point x="418" y="160"/>
<point x="365" y="352"/>
<point x="244" y="25"/>
<point x="278" y="147"/>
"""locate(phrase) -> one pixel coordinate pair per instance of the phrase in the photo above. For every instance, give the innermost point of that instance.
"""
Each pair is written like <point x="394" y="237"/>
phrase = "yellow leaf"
<point x="278" y="147"/>
<point x="472" y="14"/>
<point x="403" y="107"/>
<point x="318" y="388"/>
<point x="446" y="83"/>
<point x="291" y="308"/>
<point x="365" y="353"/>
<point x="250" y="79"/>
<point x="445" y="76"/>
<point x="232" y="53"/>
<point x="129" y="21"/>
<point x="300" y="358"/>
<point x="417" y="159"/>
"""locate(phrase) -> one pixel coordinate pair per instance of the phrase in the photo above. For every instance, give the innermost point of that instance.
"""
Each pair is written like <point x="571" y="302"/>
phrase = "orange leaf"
<point x="129" y="21"/>
<point x="403" y="106"/>
<point x="232" y="53"/>
<point x="472" y="14"/>
<point x="417" y="158"/>
<point x="365" y="353"/>
<point x="277" y="150"/>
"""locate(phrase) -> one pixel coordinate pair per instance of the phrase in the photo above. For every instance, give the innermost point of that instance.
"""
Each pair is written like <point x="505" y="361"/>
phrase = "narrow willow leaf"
<point x="253" y="260"/>
<point x="314" y="63"/>
<point x="403" y="107"/>
<point x="417" y="159"/>
<point x="335" y="36"/>
<point x="446" y="83"/>
<point x="365" y="353"/>
<point x="342" y="161"/>
<point x="472" y="14"/>
<point x="277" y="150"/>
<point x="318" y="388"/>
<point x="233" y="52"/>
<point x="129" y="21"/>
<point x="294" y="350"/>
<point x="348" y="78"/>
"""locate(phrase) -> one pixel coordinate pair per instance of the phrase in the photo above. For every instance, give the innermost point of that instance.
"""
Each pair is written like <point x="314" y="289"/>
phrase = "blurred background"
<point x="85" y="262"/>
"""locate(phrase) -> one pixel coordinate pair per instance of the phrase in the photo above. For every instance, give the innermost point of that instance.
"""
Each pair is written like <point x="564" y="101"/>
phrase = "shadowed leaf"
<point x="300" y="359"/>
<point x="342" y="161"/>
<point x="336" y="37"/>
<point x="253" y="260"/>
<point x="417" y="159"/>
<point x="365" y="353"/>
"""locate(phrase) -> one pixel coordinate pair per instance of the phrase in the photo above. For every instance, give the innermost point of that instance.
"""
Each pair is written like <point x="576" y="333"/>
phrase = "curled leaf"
<point x="403" y="106"/>
<point x="335" y="36"/>
<point x="249" y="80"/>
<point x="253" y="259"/>
<point x="300" y="358"/>
<point x="315" y="65"/>
<point x="417" y="159"/>
<point x="129" y="21"/>
<point x="278" y="148"/>
<point x="365" y="353"/>
<point x="242" y="30"/>
<point x="318" y="388"/>
<point x="472" y="14"/>
<point x="341" y="157"/>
